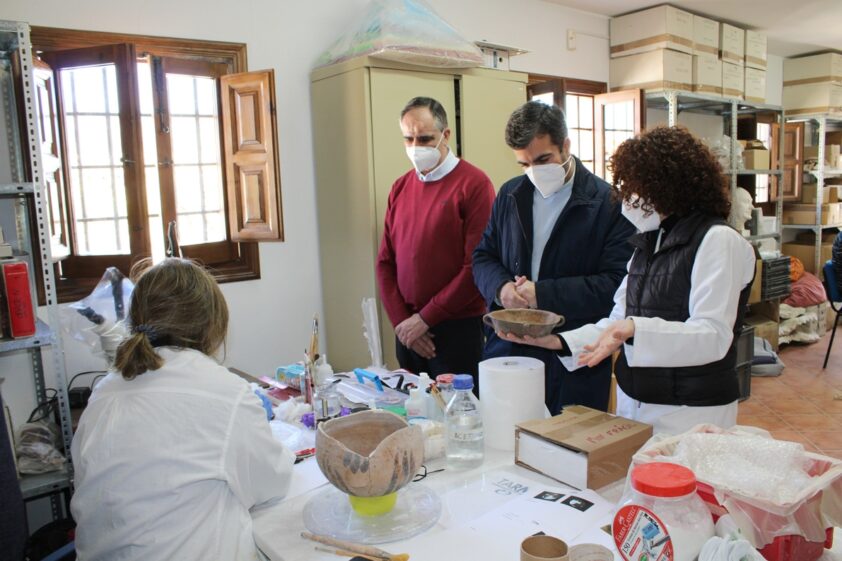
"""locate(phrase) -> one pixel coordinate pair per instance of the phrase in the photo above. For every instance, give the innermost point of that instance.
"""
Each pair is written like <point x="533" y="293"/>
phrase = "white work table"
<point x="473" y="501"/>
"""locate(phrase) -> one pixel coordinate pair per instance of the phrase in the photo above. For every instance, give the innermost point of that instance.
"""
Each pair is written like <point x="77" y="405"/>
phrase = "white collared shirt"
<point x="446" y="166"/>
<point x="169" y="464"/>
<point x="724" y="265"/>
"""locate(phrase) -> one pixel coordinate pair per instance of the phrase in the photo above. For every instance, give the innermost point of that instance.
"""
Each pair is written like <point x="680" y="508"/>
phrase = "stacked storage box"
<point x="666" y="48"/>
<point x="652" y="50"/>
<point x="755" y="66"/>
<point x="775" y="282"/>
<point x="745" y="356"/>
<point x="813" y="84"/>
<point x="707" y="68"/>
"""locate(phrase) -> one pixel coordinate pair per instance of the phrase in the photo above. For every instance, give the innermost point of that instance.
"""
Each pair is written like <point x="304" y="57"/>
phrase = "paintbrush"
<point x="346" y="553"/>
<point x="436" y="393"/>
<point x="357" y="548"/>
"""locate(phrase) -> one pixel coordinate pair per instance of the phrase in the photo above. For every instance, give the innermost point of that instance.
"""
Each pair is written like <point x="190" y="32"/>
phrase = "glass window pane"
<point x="116" y="141"/>
<point x="586" y="112"/>
<point x="206" y="95"/>
<point x="585" y="145"/>
<point x="181" y="94"/>
<point x="188" y="189"/>
<point x="574" y="142"/>
<point x="97" y="194"/>
<point x="150" y="148"/>
<point x="209" y="139"/>
<point x="156" y="237"/>
<point x="111" y="89"/>
<point x="215" y="227"/>
<point x="571" y="113"/>
<point x="94" y="148"/>
<point x="191" y="229"/>
<point x="88" y="88"/>
<point x="212" y="184"/>
<point x="185" y="149"/>
<point x="153" y="194"/>
<point x="589" y="165"/>
<point x="608" y="116"/>
<point x="544" y="98"/>
<point x="144" y="87"/>
<point x="70" y="138"/>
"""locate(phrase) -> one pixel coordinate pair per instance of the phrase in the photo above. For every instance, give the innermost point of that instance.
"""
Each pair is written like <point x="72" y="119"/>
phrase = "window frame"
<point x="243" y="257"/>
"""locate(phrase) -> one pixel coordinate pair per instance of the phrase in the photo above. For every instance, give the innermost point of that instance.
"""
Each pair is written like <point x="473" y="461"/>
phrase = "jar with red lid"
<point x="660" y="516"/>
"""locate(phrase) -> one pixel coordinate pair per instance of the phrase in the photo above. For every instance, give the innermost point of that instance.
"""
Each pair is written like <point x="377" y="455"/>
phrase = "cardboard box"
<point x="809" y="237"/>
<point x="832" y="155"/>
<point x="707" y="75"/>
<point x="824" y="97"/>
<point x="661" y="27"/>
<point x="654" y="70"/>
<point x="806" y="254"/>
<point x="732" y="80"/>
<point x="813" y="69"/>
<point x="732" y="44"/>
<point x="809" y="194"/>
<point x="705" y="37"/>
<point x="765" y="328"/>
<point x="754" y="88"/>
<point x="581" y="447"/>
<point x="755" y="49"/>
<point x="755" y="154"/>
<point x="806" y="214"/>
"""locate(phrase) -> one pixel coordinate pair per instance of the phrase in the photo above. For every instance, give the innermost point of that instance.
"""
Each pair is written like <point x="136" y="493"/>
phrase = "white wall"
<point x="270" y="317"/>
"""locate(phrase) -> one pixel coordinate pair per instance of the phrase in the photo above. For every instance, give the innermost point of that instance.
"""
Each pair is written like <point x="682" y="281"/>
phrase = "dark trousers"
<point x="458" y="344"/>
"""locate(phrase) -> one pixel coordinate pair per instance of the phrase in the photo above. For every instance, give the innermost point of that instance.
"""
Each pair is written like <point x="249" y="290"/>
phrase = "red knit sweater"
<point x="431" y="230"/>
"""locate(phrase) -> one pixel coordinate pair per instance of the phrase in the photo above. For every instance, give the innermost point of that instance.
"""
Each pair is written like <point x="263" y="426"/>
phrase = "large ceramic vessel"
<point x="370" y="453"/>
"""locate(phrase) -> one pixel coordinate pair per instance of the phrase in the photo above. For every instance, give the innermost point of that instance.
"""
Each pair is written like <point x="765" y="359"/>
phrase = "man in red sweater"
<point x="435" y="217"/>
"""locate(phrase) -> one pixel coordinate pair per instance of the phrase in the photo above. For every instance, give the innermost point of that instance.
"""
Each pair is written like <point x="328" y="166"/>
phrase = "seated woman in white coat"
<point x="173" y="450"/>
<point x="678" y="310"/>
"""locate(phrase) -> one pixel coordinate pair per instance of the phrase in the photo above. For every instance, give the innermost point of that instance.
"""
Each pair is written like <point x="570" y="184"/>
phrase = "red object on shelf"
<point x="782" y="548"/>
<point x="18" y="299"/>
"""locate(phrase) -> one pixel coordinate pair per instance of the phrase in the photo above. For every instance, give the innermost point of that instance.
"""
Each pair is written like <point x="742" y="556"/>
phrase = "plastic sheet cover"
<point x="407" y="31"/>
<point x="770" y="487"/>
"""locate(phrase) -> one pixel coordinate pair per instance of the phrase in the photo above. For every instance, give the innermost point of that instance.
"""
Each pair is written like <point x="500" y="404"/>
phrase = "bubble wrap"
<point x="769" y="487"/>
<point x="751" y="465"/>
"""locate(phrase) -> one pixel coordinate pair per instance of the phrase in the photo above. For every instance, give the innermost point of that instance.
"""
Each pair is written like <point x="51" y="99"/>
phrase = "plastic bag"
<point x="721" y="148"/>
<point x="806" y="291"/>
<point x="813" y="507"/>
<point x="98" y="319"/>
<point x="37" y="447"/>
<point x="405" y="31"/>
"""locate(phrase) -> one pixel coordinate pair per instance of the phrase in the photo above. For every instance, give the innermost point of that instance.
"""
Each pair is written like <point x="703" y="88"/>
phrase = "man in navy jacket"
<point x="555" y="241"/>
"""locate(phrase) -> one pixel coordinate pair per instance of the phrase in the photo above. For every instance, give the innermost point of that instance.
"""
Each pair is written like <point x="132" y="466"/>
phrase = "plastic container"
<point x="661" y="516"/>
<point x="416" y="406"/>
<point x="465" y="437"/>
<point x="444" y="382"/>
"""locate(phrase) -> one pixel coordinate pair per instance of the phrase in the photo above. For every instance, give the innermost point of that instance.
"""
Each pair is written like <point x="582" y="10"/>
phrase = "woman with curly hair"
<point x="679" y="308"/>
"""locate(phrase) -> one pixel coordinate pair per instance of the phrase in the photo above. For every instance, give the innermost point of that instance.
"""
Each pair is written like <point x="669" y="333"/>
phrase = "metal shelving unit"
<point x="676" y="102"/>
<point x="29" y="207"/>
<point x="821" y="122"/>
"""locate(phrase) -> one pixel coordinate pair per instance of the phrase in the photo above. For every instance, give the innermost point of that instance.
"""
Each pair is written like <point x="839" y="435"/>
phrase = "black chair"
<point x="831" y="286"/>
<point x="13" y="529"/>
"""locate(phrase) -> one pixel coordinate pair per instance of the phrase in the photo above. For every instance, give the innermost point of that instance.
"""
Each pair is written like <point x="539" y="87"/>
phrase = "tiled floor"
<point x="804" y="404"/>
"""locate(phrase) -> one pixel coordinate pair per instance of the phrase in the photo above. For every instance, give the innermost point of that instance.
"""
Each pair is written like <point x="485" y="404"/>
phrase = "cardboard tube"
<point x="543" y="548"/>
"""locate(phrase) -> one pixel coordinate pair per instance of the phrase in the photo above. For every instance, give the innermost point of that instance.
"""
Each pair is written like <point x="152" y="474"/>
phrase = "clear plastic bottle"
<point x="444" y="382"/>
<point x="416" y="406"/>
<point x="465" y="436"/>
<point x="661" y="516"/>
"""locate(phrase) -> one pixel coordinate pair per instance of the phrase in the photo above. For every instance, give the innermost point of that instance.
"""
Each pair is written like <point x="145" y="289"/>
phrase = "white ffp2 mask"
<point x="637" y="216"/>
<point x="424" y="157"/>
<point x="548" y="178"/>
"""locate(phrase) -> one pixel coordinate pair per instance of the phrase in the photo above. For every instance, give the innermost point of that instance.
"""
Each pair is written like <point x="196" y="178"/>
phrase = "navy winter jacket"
<point x="583" y="263"/>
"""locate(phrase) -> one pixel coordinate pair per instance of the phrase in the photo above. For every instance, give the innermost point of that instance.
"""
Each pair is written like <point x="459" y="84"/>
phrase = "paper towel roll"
<point x="511" y="390"/>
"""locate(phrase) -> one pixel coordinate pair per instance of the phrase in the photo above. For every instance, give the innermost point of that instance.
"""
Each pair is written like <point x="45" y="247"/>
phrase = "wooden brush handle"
<point x="348" y="546"/>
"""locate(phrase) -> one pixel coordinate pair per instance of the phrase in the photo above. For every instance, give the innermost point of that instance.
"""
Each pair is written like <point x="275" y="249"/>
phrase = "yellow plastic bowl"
<point x="373" y="506"/>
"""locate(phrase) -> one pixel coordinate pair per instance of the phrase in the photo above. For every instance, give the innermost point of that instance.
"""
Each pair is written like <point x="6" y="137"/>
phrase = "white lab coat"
<point x="168" y="464"/>
<point x="724" y="265"/>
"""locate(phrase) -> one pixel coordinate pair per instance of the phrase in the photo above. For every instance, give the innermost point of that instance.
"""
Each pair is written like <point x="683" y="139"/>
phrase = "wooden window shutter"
<point x="250" y="154"/>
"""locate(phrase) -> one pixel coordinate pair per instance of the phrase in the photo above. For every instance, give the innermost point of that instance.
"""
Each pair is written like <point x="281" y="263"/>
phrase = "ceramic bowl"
<point x="523" y="321"/>
<point x="370" y="453"/>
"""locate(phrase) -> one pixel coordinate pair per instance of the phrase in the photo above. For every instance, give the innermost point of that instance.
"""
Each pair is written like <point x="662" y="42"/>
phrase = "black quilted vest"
<point x="659" y="286"/>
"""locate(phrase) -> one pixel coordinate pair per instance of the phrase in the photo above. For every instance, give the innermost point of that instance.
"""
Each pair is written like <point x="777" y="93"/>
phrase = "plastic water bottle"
<point x="416" y="406"/>
<point x="465" y="436"/>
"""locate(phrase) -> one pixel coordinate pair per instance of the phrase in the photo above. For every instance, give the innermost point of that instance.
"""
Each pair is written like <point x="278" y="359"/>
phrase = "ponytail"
<point x="136" y="355"/>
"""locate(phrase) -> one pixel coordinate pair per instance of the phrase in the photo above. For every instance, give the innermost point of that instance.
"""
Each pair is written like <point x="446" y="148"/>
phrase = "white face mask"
<point x="424" y="158"/>
<point x="548" y="178"/>
<point x="637" y="216"/>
